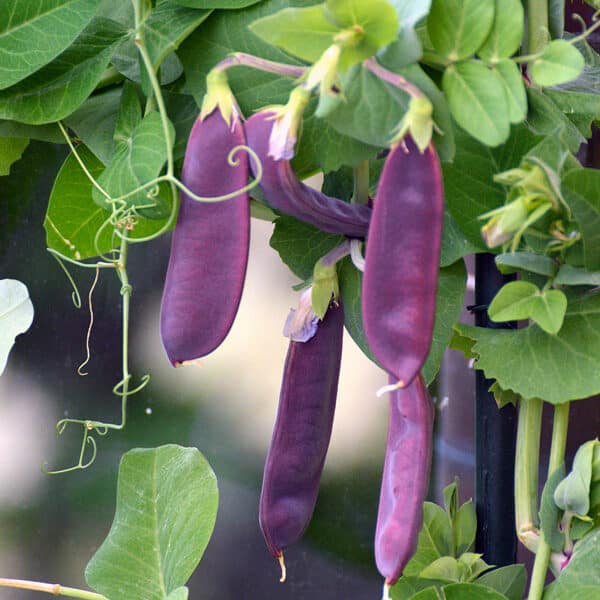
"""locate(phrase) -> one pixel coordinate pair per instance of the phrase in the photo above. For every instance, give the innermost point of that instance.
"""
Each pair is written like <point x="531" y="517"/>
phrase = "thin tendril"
<point x="586" y="32"/>
<point x="75" y="295"/>
<point x="143" y="383"/>
<point x="81" y="163"/>
<point x="87" y="439"/>
<point x="89" y="331"/>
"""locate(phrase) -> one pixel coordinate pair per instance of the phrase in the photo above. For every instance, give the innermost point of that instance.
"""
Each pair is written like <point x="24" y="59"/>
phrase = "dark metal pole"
<point x="495" y="438"/>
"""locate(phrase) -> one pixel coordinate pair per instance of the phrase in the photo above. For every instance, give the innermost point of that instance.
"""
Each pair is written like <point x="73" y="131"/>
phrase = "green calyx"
<point x="219" y="95"/>
<point x="418" y="122"/>
<point x="325" y="288"/>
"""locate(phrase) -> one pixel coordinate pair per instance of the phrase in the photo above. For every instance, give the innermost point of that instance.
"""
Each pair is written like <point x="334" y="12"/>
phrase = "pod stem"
<point x="526" y="471"/>
<point x="560" y="427"/>
<point x="54" y="589"/>
<point x="281" y="560"/>
<point x="360" y="193"/>
<point x="241" y="59"/>
<point x="335" y="255"/>
<point x="392" y="78"/>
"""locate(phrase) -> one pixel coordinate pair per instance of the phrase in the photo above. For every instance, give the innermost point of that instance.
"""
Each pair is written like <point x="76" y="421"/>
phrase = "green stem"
<point x="126" y="294"/>
<point x="360" y="194"/>
<point x="50" y="588"/>
<point x="537" y="25"/>
<point x="526" y="471"/>
<point x="557" y="456"/>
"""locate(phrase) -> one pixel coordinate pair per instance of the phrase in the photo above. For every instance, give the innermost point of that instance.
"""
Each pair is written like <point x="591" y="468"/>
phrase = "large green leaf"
<point x="558" y="63"/>
<point x="33" y="33"/>
<point x="55" y="91"/>
<point x="581" y="574"/>
<point x="454" y="242"/>
<point x="44" y="133"/>
<point x="406" y="587"/>
<point x="16" y="315"/>
<point x="458" y="28"/>
<point x="511" y="78"/>
<point x="166" y="509"/>
<point x="468" y="180"/>
<point x="536" y="364"/>
<point x="11" y="150"/>
<point x="478" y="101"/>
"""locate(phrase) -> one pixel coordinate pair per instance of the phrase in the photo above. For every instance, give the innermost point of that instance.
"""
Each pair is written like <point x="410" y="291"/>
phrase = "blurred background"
<point x="50" y="526"/>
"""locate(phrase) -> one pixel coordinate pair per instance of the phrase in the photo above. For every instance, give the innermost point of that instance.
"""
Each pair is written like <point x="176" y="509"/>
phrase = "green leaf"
<point x="536" y="364"/>
<point x="510" y="581"/>
<point x="558" y="63"/>
<point x="16" y="315"/>
<point x="11" y="150"/>
<point x="407" y="586"/>
<point x="513" y="301"/>
<point x="580" y="189"/>
<point x="513" y="262"/>
<point x="511" y="78"/>
<point x="430" y="593"/>
<point x="458" y="28"/>
<point x="478" y="101"/>
<point x="455" y="245"/>
<point x="468" y="181"/>
<point x="550" y="514"/>
<point x="581" y="574"/>
<point x="73" y="218"/>
<point x="465" y="527"/>
<point x="506" y="33"/>
<point x="568" y="275"/>
<point x="34" y="33"/>
<point x="444" y="568"/>
<point x="95" y="120"/>
<point x="224" y="4"/>
<point x="166" y="508"/>
<point x="44" y="133"/>
<point x="140" y="154"/>
<point x="55" y="91"/>
<point x="548" y="310"/>
<point x="300" y="245"/>
<point x="303" y="32"/>
<point x="377" y="19"/>
<point x="435" y="539"/>
<point x="544" y="117"/>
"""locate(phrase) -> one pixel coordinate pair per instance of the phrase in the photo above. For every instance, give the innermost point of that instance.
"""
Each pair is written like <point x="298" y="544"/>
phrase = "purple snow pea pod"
<point x="209" y="248"/>
<point x="301" y="434"/>
<point x="405" y="478"/>
<point x="402" y="260"/>
<point x="285" y="193"/>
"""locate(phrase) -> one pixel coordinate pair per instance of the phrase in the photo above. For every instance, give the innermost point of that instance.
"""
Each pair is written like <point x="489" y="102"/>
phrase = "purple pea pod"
<point x="402" y="260"/>
<point x="301" y="434"/>
<point x="405" y="478"/>
<point x="285" y="193"/>
<point x="209" y="248"/>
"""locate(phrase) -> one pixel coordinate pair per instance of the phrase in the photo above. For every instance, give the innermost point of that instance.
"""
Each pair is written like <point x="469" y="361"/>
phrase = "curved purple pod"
<point x="405" y="478"/>
<point x="209" y="248"/>
<point x="285" y="193"/>
<point x="402" y="260"/>
<point x="301" y="434"/>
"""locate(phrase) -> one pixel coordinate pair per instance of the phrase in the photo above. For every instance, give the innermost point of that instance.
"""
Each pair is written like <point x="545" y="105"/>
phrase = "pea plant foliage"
<point x="442" y="128"/>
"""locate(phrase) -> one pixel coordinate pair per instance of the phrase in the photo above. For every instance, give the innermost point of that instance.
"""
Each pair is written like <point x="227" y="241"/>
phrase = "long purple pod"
<point x="402" y="260"/>
<point x="209" y="248"/>
<point x="405" y="478"/>
<point x="301" y="434"/>
<point x="285" y="193"/>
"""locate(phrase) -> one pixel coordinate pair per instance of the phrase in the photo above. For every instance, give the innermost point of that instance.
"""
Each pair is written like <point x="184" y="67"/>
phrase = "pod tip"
<point x="390" y="388"/>
<point x="386" y="590"/>
<point x="283" y="569"/>
<point x="186" y="363"/>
